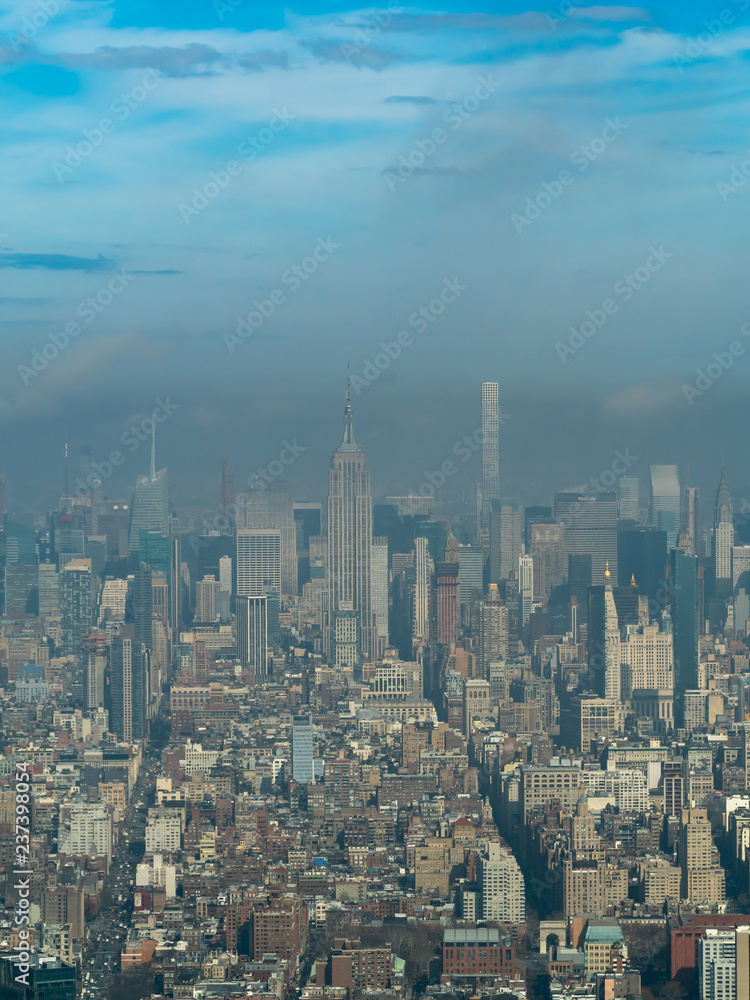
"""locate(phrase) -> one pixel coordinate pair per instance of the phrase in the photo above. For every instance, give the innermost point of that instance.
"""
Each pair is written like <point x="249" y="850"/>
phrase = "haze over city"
<point x="320" y="109"/>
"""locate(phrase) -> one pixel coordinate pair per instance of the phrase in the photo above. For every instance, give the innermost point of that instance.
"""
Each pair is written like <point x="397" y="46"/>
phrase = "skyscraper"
<point x="271" y="507"/>
<point x="470" y="572"/>
<point x="525" y="588"/>
<point x="302" y="749"/>
<point x="492" y="631"/>
<point x="604" y="641"/>
<point x="502" y="886"/>
<point x="143" y="604"/>
<point x="723" y="539"/>
<point x="423" y="569"/>
<point x="683" y="591"/>
<point x="665" y="501"/>
<point x="547" y="547"/>
<point x="49" y="588"/>
<point x="628" y="497"/>
<point x="642" y="554"/>
<point x="590" y="523"/>
<point x="226" y="492"/>
<point x="153" y="548"/>
<point x="490" y="450"/>
<point x="150" y="506"/>
<point x="252" y="634"/>
<point x="693" y="519"/>
<point x="206" y="599"/>
<point x="258" y="561"/>
<point x="446" y="604"/>
<point x="130" y="687"/>
<point x="579" y="581"/>
<point x="350" y="540"/>
<point x="506" y="538"/>
<point x="380" y="591"/>
<point x="174" y="577"/>
<point x="76" y="605"/>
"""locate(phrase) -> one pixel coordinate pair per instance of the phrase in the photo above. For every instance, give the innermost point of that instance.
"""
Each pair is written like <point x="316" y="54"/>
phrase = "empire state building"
<point x="351" y="632"/>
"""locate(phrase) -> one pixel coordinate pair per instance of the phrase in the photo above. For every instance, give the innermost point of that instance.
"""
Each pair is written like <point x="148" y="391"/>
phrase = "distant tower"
<point x="665" y="501"/>
<point x="302" y="749"/>
<point x="271" y="507"/>
<point x="685" y="614"/>
<point x="227" y="484"/>
<point x="76" y="606"/>
<point x="490" y="451"/>
<point x="525" y="587"/>
<point x="380" y="583"/>
<point x="423" y="570"/>
<point x="723" y="539"/>
<point x="604" y="640"/>
<point x="150" y="506"/>
<point x="628" y="497"/>
<point x="143" y="604"/>
<point x="252" y="634"/>
<point x="693" y="519"/>
<point x="493" y="631"/>
<point x="350" y="541"/>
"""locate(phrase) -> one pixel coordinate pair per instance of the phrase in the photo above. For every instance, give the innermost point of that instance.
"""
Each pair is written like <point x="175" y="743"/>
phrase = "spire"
<point x="723" y="510"/>
<point x="348" y="414"/>
<point x="607" y="576"/>
<point x="153" y="450"/>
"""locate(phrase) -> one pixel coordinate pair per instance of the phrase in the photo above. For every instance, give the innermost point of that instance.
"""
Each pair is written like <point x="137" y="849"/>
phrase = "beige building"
<point x="660" y="881"/>
<point x="542" y="785"/>
<point x="702" y="877"/>
<point x="592" y="886"/>
<point x="646" y="655"/>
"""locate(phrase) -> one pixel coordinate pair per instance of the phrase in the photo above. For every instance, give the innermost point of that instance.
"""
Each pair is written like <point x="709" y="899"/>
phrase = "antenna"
<point x="153" y="450"/>
<point x="66" y="490"/>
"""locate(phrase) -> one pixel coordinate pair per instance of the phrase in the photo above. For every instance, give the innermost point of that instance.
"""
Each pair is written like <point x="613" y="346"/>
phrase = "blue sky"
<point x="117" y="115"/>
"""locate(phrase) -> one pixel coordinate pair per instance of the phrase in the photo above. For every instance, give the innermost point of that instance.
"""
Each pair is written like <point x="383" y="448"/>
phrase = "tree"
<point x="671" y="990"/>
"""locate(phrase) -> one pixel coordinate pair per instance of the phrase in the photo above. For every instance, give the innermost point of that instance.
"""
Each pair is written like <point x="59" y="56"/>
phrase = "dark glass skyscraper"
<point x="683" y="591"/>
<point x="579" y="580"/>
<point x="642" y="553"/>
<point x="143" y="604"/>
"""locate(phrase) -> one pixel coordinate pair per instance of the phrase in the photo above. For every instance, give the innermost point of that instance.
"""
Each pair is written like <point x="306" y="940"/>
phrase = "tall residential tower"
<point x="490" y="451"/>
